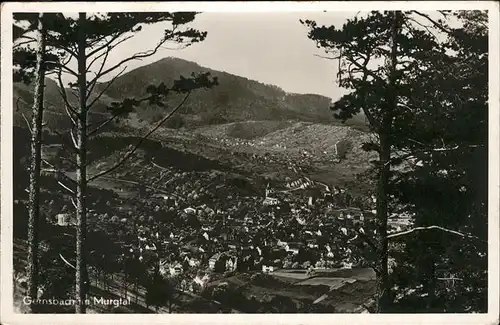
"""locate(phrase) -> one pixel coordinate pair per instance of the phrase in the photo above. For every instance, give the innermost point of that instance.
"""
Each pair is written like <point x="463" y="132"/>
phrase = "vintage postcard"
<point x="250" y="162"/>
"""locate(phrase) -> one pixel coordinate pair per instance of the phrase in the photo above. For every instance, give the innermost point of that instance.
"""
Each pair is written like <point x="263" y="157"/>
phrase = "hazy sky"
<point x="269" y="47"/>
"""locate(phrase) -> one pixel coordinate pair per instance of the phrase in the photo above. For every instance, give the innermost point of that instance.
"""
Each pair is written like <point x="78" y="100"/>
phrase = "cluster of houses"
<point x="198" y="226"/>
<point x="287" y="230"/>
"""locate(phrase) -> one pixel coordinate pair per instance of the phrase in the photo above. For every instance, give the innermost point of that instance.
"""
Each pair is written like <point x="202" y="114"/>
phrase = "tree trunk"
<point x="382" y="214"/>
<point x="36" y="148"/>
<point x="430" y="285"/>
<point x="136" y="289"/>
<point x="81" y="173"/>
<point x="384" y="299"/>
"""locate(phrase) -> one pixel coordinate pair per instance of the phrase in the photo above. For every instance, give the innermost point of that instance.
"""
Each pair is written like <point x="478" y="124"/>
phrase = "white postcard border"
<point x="7" y="314"/>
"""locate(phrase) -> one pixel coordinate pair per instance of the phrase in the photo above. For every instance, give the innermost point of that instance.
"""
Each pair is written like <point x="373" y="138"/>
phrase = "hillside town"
<point x="260" y="181"/>
<point x="201" y="227"/>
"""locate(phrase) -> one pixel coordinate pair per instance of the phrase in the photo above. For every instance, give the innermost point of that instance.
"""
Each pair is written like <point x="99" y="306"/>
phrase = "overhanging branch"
<point x="367" y="240"/>
<point x="66" y="261"/>
<point x="65" y="187"/>
<point x="131" y="152"/>
<point x="59" y="172"/>
<point x="69" y="108"/>
<point x="94" y="81"/>
<point x="434" y="23"/>
<point x="73" y="203"/>
<point x="403" y="233"/>
<point x="421" y="25"/>
<point x="108" y="48"/>
<point x="328" y="57"/>
<point x="89" y="106"/>
<point x="363" y="67"/>
<point x="102" y="125"/>
<point x="136" y="56"/>
<point x="95" y="59"/>
<point x="28" y="41"/>
<point x="64" y="67"/>
<point x="71" y="145"/>
<point x="105" y="45"/>
<point x="27" y="123"/>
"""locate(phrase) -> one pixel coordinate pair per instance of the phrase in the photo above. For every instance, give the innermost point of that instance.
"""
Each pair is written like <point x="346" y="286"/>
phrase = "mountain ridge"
<point x="236" y="98"/>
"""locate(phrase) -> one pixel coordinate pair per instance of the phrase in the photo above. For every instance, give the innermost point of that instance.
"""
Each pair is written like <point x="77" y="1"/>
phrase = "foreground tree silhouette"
<point x="36" y="146"/>
<point x="159" y="291"/>
<point x="30" y="67"/>
<point x="88" y="41"/>
<point x="399" y="72"/>
<point x="358" y="42"/>
<point x="450" y="188"/>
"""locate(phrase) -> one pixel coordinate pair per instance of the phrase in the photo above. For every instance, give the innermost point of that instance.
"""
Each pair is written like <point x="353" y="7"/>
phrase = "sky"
<point x="271" y="47"/>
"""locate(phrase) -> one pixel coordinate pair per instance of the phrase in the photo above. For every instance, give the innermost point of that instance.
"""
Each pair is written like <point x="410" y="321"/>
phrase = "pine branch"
<point x="28" y="41"/>
<point x="74" y="144"/>
<point x="27" y="123"/>
<point x="89" y="106"/>
<point x="62" y="66"/>
<point x="328" y="57"/>
<point x="58" y="44"/>
<point x="103" y="124"/>
<point x="137" y="56"/>
<point x="174" y="49"/>
<point x="59" y="172"/>
<point x="73" y="203"/>
<point x="105" y="45"/>
<point x="131" y="152"/>
<point x="73" y="138"/>
<point x="17" y="103"/>
<point x="95" y="59"/>
<point x="67" y="58"/>
<point x="371" y="119"/>
<point x="410" y="154"/>
<point x="65" y="261"/>
<point x="434" y="23"/>
<point x="71" y="145"/>
<point x="109" y="48"/>
<point x="64" y="95"/>
<point x="65" y="187"/>
<point x="94" y="81"/>
<point x="367" y="240"/>
<point x="415" y="141"/>
<point x="364" y="66"/>
<point x="446" y="149"/>
<point x="421" y="25"/>
<point x="68" y="112"/>
<point x="95" y="42"/>
<point x="399" y="234"/>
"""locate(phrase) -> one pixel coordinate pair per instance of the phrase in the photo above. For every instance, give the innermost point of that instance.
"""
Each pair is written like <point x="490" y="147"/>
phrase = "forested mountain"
<point x="235" y="99"/>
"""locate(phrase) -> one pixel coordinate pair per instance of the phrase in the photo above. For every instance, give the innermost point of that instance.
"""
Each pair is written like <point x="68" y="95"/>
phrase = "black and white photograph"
<point x="321" y="158"/>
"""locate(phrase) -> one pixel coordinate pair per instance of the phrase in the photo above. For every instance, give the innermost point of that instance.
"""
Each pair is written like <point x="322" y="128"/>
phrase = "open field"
<point x="331" y="282"/>
<point x="292" y="149"/>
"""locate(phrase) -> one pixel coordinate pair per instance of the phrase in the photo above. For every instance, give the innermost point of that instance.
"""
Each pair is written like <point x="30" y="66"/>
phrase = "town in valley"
<point x="175" y="186"/>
